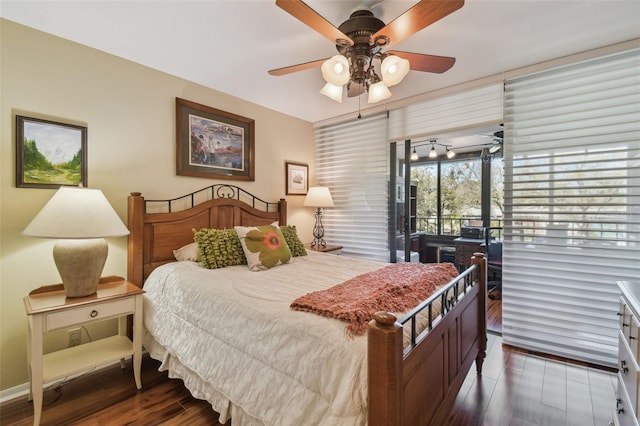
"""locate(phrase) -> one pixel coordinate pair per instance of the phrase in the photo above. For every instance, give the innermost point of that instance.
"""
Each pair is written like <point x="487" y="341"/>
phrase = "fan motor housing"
<point x="361" y="25"/>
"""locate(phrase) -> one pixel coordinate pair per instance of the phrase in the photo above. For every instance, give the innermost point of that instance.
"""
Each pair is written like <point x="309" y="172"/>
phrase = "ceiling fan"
<point x="363" y="38"/>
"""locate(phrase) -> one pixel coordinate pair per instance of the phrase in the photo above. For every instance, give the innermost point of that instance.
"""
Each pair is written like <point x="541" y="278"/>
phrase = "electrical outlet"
<point x="75" y="336"/>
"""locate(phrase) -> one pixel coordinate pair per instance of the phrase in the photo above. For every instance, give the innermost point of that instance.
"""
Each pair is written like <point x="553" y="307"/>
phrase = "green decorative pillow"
<point x="219" y="248"/>
<point x="264" y="246"/>
<point x="291" y="237"/>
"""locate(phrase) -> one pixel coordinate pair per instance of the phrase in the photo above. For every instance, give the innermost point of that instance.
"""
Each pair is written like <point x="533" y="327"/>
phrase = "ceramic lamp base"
<point x="80" y="264"/>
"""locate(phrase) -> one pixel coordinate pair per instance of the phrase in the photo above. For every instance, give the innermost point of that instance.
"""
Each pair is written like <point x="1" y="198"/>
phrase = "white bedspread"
<point x="231" y="336"/>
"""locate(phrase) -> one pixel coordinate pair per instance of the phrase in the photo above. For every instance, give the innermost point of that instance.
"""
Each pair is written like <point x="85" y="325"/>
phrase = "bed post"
<point x="135" y="215"/>
<point x="282" y="209"/>
<point x="385" y="370"/>
<point x="481" y="276"/>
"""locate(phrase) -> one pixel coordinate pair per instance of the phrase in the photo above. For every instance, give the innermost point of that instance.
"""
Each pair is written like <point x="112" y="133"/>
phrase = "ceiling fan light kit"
<point x="377" y="92"/>
<point x="360" y="42"/>
<point x="394" y="69"/>
<point x="335" y="70"/>
<point x="332" y="91"/>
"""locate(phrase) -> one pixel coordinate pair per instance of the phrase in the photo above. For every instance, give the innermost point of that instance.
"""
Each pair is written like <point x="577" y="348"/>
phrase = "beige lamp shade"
<point x="80" y="218"/>
<point x="318" y="196"/>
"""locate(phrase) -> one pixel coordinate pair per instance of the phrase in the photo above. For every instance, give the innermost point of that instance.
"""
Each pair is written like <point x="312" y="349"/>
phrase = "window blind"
<point x="572" y="206"/>
<point x="465" y="109"/>
<point x="352" y="160"/>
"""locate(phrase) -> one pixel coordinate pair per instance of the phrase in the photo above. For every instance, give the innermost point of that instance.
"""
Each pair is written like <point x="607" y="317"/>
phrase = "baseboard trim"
<point x="23" y="389"/>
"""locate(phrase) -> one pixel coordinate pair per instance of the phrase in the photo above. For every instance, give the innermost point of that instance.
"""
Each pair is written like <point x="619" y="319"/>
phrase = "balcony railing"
<point x="451" y="225"/>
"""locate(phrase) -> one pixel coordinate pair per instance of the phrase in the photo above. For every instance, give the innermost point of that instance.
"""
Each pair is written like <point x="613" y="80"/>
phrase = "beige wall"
<point x="130" y="114"/>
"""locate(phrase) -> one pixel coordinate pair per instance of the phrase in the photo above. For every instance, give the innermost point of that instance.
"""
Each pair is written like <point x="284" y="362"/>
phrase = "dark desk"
<point x="465" y="248"/>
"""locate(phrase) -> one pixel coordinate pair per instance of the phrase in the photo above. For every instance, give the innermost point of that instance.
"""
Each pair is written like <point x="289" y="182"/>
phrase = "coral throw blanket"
<point x="394" y="288"/>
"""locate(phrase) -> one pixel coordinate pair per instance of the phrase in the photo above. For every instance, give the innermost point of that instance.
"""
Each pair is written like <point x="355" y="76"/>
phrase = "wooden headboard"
<point x="157" y="227"/>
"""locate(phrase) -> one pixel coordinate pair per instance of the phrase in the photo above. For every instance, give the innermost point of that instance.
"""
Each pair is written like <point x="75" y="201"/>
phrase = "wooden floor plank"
<point x="579" y="407"/>
<point x="516" y="388"/>
<point x="527" y="404"/>
<point x="554" y="387"/>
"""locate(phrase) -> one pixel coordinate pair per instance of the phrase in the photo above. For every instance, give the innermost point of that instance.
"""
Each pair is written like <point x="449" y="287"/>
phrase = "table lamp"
<point x="318" y="197"/>
<point x="80" y="218"/>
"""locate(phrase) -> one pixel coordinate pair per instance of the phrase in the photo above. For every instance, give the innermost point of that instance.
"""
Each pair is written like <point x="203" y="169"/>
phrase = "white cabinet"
<point x="627" y="395"/>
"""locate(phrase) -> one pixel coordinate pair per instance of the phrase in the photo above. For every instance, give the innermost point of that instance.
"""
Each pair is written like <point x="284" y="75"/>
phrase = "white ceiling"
<point x="230" y="45"/>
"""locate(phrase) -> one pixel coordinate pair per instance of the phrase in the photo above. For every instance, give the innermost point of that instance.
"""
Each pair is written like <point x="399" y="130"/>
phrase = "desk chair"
<point x="494" y="265"/>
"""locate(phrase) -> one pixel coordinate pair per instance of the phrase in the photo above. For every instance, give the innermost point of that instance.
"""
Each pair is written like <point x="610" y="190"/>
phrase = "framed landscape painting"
<point x="211" y="143"/>
<point x="50" y="154"/>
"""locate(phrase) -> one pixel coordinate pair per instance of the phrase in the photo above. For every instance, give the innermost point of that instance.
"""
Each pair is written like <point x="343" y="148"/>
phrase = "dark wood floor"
<point x="516" y="388"/>
<point x="494" y="316"/>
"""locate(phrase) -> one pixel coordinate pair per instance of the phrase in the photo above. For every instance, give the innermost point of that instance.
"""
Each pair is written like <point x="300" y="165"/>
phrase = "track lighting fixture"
<point x="450" y="154"/>
<point x="433" y="153"/>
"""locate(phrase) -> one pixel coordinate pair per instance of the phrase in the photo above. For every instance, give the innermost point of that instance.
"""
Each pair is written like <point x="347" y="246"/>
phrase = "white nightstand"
<point x="49" y="309"/>
<point x="325" y="249"/>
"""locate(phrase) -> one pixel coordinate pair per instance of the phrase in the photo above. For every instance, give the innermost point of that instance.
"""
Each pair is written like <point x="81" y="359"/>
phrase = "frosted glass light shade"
<point x="335" y="70"/>
<point x="394" y="69"/>
<point x="80" y="218"/>
<point x="332" y="91"/>
<point x="433" y="153"/>
<point x="318" y="196"/>
<point x="378" y="92"/>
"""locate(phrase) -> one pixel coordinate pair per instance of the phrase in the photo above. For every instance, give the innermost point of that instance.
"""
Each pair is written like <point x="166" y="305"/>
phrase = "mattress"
<point x="230" y="335"/>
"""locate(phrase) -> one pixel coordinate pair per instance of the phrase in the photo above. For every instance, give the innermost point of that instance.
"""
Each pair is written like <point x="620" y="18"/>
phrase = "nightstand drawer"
<point x="94" y="312"/>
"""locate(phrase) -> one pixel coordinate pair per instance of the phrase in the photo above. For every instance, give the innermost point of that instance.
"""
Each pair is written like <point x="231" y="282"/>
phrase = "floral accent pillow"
<point x="264" y="246"/>
<point x="219" y="248"/>
<point x="290" y="234"/>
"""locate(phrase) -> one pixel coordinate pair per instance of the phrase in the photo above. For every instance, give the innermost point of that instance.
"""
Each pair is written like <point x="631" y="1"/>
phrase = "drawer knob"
<point x="619" y="314"/>
<point x="94" y="313"/>
<point x="620" y="410"/>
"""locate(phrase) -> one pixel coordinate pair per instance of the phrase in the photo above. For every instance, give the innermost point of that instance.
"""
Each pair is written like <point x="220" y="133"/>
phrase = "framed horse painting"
<point x="215" y="144"/>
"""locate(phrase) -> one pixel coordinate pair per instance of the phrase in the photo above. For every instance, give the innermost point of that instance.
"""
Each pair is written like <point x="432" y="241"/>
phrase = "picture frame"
<point x="50" y="154"/>
<point x="297" y="178"/>
<point x="214" y="144"/>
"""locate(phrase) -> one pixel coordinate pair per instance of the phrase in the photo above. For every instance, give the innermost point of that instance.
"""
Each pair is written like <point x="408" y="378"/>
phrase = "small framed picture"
<point x="50" y="154"/>
<point x="297" y="178"/>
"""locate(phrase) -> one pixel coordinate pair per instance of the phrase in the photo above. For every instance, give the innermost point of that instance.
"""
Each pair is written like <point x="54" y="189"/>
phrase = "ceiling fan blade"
<point x="426" y="63"/>
<point x="420" y="16"/>
<point x="296" y="68"/>
<point x="303" y="13"/>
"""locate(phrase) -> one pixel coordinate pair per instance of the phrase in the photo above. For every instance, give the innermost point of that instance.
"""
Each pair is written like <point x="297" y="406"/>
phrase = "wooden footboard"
<point x="419" y="384"/>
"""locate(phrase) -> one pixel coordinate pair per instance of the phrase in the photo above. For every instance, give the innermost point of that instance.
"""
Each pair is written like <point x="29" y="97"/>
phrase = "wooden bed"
<point x="414" y="385"/>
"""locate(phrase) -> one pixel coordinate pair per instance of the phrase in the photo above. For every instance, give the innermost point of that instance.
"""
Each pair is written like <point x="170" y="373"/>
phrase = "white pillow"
<point x="187" y="253"/>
